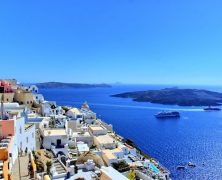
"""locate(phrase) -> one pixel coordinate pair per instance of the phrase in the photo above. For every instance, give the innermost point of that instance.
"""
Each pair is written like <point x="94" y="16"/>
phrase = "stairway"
<point x="59" y="168"/>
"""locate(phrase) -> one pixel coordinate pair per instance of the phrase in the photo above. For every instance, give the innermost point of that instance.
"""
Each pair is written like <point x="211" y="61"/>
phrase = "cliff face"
<point x="69" y="85"/>
<point x="181" y="97"/>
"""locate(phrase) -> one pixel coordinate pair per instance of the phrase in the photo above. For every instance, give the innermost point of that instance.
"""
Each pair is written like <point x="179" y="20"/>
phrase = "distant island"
<point x="175" y="96"/>
<point x="70" y="85"/>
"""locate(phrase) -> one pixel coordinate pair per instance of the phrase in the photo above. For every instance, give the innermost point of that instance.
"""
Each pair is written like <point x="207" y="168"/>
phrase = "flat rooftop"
<point x="82" y="147"/>
<point x="96" y="128"/>
<point x="109" y="155"/>
<point x="54" y="132"/>
<point x="81" y="174"/>
<point x="79" y="134"/>
<point x="105" y="139"/>
<point x="112" y="173"/>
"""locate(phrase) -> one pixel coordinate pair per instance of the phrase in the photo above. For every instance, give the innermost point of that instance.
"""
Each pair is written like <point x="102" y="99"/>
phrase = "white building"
<point x="75" y="113"/>
<point x="87" y="113"/>
<point x="105" y="142"/>
<point x="127" y="150"/>
<point x="108" y="157"/>
<point x="83" y="137"/>
<point x="82" y="147"/>
<point x="16" y="135"/>
<point x="47" y="108"/>
<point x="55" y="139"/>
<point x="38" y="98"/>
<point x="25" y="135"/>
<point x="109" y="173"/>
<point x="34" y="89"/>
<point x="97" y="130"/>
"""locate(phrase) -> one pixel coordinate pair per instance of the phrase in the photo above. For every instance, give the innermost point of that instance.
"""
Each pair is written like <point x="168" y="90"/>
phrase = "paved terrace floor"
<point x="24" y="160"/>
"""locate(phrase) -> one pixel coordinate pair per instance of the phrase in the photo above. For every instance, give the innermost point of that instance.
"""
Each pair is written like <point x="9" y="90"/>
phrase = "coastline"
<point x="175" y="96"/>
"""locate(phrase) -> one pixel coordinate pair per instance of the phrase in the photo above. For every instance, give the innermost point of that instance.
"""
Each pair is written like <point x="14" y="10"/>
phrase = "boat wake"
<point x="147" y="107"/>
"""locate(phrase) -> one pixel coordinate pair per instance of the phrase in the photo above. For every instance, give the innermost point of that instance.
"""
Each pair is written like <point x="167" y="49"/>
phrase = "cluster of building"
<point x="64" y="142"/>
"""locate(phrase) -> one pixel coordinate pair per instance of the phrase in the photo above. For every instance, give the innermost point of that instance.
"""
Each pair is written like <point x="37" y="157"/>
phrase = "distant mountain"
<point x="70" y="85"/>
<point x="175" y="96"/>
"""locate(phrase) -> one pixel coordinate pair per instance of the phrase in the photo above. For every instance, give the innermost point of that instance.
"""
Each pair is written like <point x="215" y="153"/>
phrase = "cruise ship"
<point x="172" y="114"/>
<point x="212" y="109"/>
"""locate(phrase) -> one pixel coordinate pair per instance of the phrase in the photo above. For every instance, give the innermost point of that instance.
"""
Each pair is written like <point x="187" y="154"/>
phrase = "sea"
<point x="196" y="137"/>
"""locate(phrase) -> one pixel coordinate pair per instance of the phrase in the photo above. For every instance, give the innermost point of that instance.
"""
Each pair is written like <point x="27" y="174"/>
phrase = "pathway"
<point x="24" y="160"/>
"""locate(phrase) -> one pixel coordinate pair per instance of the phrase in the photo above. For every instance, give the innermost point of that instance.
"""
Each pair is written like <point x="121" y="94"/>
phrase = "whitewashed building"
<point x="38" y="98"/>
<point x="75" y="113"/>
<point x="34" y="89"/>
<point x="55" y="139"/>
<point x="97" y="130"/>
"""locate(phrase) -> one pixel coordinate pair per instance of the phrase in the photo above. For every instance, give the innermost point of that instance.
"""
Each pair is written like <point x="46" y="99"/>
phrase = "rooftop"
<point x="82" y="147"/>
<point x="112" y="173"/>
<point x="79" y="134"/>
<point x="75" y="110"/>
<point x="96" y="128"/>
<point x="117" y="150"/>
<point x="105" y="139"/>
<point x="109" y="154"/>
<point x="81" y="174"/>
<point x="54" y="132"/>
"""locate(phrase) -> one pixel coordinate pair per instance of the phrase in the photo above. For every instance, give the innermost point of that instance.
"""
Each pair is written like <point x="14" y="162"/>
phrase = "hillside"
<point x="174" y="96"/>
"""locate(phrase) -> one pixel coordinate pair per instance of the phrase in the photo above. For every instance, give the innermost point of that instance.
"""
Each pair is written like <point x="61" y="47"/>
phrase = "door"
<point x="59" y="142"/>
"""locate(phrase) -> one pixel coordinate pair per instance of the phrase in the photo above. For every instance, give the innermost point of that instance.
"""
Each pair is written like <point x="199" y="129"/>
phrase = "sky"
<point x="108" y="41"/>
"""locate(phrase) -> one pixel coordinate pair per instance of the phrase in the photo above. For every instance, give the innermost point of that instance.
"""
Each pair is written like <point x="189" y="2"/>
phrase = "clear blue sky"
<point x="129" y="41"/>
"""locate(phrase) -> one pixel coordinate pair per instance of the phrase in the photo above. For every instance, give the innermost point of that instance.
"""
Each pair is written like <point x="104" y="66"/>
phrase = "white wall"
<point x="86" y="139"/>
<point x="119" y="155"/>
<point x="48" y="140"/>
<point x="21" y="136"/>
<point x="109" y="162"/>
<point x="14" y="152"/>
<point x="38" y="98"/>
<point x="46" y="109"/>
<point x="30" y="141"/>
<point x="33" y="89"/>
<point x="98" y="132"/>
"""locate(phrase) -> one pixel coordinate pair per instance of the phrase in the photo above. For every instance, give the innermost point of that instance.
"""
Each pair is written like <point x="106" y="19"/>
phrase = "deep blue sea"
<point x="195" y="137"/>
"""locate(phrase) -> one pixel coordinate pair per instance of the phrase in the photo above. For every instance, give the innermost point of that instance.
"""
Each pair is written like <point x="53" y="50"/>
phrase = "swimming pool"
<point x="154" y="168"/>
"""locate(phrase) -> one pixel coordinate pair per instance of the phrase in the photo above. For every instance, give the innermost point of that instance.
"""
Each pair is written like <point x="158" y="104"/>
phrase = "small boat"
<point x="203" y="164"/>
<point x="212" y="109"/>
<point x="190" y="164"/>
<point x="180" y="167"/>
<point x="169" y="114"/>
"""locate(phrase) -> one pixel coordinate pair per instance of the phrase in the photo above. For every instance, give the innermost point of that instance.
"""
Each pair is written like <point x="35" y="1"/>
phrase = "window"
<point x="32" y="135"/>
<point x="27" y="139"/>
<point x="27" y="102"/>
<point x="20" y="130"/>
